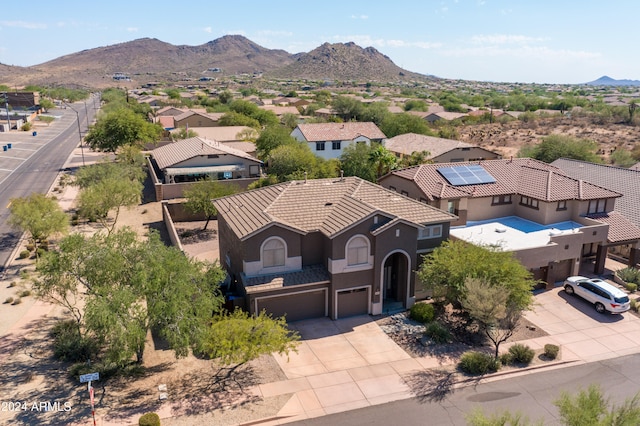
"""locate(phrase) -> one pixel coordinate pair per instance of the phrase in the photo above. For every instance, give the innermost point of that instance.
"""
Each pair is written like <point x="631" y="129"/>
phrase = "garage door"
<point x="353" y="302"/>
<point x="561" y="270"/>
<point x="298" y="306"/>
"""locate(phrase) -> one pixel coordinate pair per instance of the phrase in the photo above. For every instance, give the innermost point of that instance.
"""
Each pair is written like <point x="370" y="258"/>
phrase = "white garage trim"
<point x="368" y="287"/>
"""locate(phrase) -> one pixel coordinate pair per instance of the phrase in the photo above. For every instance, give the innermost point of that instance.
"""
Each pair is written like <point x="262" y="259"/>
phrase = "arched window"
<point x="358" y="251"/>
<point x="273" y="251"/>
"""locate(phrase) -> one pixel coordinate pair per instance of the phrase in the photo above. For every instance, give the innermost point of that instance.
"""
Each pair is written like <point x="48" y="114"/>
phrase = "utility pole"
<point x="6" y="105"/>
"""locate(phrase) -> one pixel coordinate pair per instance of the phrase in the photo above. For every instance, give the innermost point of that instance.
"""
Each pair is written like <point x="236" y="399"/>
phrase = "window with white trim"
<point x="358" y="251"/>
<point x="273" y="253"/>
<point x="433" y="231"/>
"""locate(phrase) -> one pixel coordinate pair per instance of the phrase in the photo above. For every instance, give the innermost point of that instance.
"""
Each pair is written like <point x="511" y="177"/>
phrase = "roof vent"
<point x="328" y="204"/>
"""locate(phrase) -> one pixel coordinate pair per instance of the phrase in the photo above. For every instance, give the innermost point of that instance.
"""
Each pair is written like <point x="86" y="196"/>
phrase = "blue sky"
<point x="529" y="41"/>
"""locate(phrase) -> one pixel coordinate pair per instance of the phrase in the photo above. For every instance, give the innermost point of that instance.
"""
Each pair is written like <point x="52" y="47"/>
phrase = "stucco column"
<point x="634" y="256"/>
<point x="601" y="256"/>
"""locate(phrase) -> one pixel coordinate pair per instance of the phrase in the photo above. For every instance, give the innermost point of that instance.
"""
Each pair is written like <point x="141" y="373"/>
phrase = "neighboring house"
<point x="324" y="113"/>
<point x="551" y="221"/>
<point x="229" y="136"/>
<point x="328" y="247"/>
<point x="440" y="150"/>
<point x="192" y="118"/>
<point x="192" y="159"/>
<point x="169" y="111"/>
<point x="444" y="115"/>
<point x="624" y="181"/>
<point x="328" y="140"/>
<point x="167" y="122"/>
<point x="281" y="110"/>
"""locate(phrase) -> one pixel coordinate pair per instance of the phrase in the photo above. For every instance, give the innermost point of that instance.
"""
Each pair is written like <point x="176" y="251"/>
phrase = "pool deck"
<point x="513" y="233"/>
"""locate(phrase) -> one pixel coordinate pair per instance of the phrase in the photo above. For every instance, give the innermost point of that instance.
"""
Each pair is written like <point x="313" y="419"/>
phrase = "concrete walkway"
<point x="351" y="363"/>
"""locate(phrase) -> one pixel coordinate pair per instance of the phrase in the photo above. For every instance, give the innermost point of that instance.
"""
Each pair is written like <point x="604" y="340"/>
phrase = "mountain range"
<point x="147" y="59"/>
<point x="608" y="81"/>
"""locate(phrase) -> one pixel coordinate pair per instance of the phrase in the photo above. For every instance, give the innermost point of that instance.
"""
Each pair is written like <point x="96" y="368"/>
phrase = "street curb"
<point x="503" y="374"/>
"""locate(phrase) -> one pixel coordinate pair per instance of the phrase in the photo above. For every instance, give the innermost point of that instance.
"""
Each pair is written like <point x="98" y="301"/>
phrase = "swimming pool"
<point x="527" y="226"/>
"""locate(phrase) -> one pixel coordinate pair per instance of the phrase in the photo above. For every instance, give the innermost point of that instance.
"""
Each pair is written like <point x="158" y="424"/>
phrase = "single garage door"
<point x="353" y="302"/>
<point x="561" y="270"/>
<point x="297" y="306"/>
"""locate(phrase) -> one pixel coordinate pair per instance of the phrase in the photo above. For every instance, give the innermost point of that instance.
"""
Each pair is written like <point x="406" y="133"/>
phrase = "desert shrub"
<point x="506" y="358"/>
<point x="40" y="252"/>
<point x="631" y="287"/>
<point x="438" y="333"/>
<point x="422" y="312"/>
<point x="475" y="363"/>
<point x="31" y="247"/>
<point x="26" y="127"/>
<point x="635" y="306"/>
<point x="551" y="351"/>
<point x="16" y="301"/>
<point x="69" y="345"/>
<point x="24" y="254"/>
<point x="12" y="284"/>
<point x="25" y="293"/>
<point x="521" y="354"/>
<point x="149" y="419"/>
<point x="8" y="300"/>
<point x="629" y="275"/>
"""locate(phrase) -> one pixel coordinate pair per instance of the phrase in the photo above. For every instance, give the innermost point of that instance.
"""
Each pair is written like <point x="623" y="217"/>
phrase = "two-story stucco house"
<point x="327" y="247"/>
<point x="552" y="222"/>
<point x="328" y="140"/>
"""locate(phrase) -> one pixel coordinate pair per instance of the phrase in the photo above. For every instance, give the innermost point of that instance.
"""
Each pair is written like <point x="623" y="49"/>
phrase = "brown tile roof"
<point x="523" y="176"/>
<point x="177" y="152"/>
<point x="409" y="143"/>
<point x="624" y="181"/>
<point x="329" y="206"/>
<point x="313" y="274"/>
<point x="215" y="116"/>
<point x="339" y="131"/>
<point x="620" y="228"/>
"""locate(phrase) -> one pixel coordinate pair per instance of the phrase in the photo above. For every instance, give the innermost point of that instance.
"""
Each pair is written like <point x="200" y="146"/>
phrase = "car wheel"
<point x="600" y="308"/>
<point x="568" y="289"/>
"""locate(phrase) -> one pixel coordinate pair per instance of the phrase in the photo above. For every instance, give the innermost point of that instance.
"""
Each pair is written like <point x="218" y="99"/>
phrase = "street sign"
<point x="89" y="377"/>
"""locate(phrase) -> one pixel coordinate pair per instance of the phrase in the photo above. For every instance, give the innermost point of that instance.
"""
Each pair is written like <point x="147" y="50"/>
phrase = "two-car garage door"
<point x="296" y="306"/>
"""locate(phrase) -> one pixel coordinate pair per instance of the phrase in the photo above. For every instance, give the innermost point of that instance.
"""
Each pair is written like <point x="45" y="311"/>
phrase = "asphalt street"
<point x="33" y="162"/>
<point x="532" y="394"/>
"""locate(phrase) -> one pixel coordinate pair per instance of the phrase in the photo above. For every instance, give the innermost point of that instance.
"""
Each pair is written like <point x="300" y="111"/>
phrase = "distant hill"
<point x="148" y="59"/>
<point x="608" y="81"/>
<point x="344" y="61"/>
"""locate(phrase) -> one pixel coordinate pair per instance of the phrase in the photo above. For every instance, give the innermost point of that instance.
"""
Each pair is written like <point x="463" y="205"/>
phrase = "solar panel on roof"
<point x="466" y="175"/>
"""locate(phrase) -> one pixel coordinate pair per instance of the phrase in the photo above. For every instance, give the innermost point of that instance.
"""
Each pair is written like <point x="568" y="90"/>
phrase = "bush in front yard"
<point x="629" y="275"/>
<point x="422" y="312"/>
<point x="521" y="354"/>
<point x="438" y="333"/>
<point x="475" y="363"/>
<point x="551" y="351"/>
<point x="149" y="419"/>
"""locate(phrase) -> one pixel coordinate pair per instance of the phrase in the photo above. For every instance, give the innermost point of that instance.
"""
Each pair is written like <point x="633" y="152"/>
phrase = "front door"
<point x="395" y="281"/>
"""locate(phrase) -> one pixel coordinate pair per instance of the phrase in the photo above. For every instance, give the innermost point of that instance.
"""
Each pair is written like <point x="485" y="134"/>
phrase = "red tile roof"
<point x="620" y="228"/>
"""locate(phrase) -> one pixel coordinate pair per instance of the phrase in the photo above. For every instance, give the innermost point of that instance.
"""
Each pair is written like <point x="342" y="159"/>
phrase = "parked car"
<point x="604" y="296"/>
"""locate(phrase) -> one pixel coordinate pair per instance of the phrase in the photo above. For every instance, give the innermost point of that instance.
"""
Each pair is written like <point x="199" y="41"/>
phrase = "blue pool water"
<point x="527" y="226"/>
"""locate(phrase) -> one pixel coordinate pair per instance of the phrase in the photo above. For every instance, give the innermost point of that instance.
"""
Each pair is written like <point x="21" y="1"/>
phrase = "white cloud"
<point x="362" y="17"/>
<point x="366" y="40"/>
<point x="504" y="39"/>
<point x="132" y="29"/>
<point x="24" y="24"/>
<point x="526" y="52"/>
<point x="208" y="30"/>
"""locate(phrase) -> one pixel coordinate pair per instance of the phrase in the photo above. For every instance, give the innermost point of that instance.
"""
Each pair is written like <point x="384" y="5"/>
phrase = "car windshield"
<point x="623" y="299"/>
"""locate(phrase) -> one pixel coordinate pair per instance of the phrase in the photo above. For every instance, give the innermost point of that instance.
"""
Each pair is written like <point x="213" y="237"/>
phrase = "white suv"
<point x="604" y="296"/>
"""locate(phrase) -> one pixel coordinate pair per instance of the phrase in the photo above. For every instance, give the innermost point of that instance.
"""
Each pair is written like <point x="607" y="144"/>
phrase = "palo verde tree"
<point x="121" y="127"/>
<point x="490" y="306"/>
<point x="130" y="287"/>
<point x="39" y="216"/>
<point x="200" y="194"/>
<point x="446" y="269"/>
<point x="553" y="147"/>
<point x="236" y="338"/>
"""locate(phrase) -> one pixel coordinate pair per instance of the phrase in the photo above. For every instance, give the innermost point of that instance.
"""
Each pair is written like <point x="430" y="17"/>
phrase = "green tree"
<point x="233" y="118"/>
<point x="121" y="127"/>
<point x="356" y="161"/>
<point x="271" y="138"/>
<point x="622" y="158"/>
<point x="415" y="105"/>
<point x="288" y="162"/>
<point x="238" y="337"/>
<point x="446" y="268"/>
<point x="382" y="160"/>
<point x="398" y="124"/>
<point x="46" y="119"/>
<point x="553" y="147"/>
<point x="183" y="133"/>
<point x="47" y="104"/>
<point x="489" y="305"/>
<point x="347" y="108"/>
<point x="200" y="194"/>
<point x="38" y="215"/>
<point x="225" y="96"/>
<point x="130" y="287"/>
<point x="290" y="121"/>
<point x="415" y="159"/>
<point x="375" y="112"/>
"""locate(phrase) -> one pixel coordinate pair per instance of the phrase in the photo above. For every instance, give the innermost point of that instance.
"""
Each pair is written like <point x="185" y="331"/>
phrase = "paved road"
<point x="531" y="394"/>
<point x="33" y="162"/>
